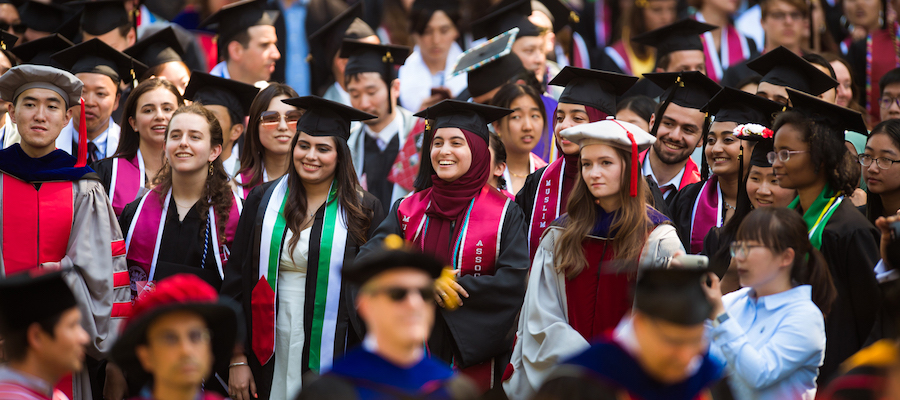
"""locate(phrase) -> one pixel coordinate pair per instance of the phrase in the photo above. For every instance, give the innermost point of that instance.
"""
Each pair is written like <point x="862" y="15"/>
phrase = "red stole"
<point x="477" y="243"/>
<point x="884" y="57"/>
<point x="549" y="202"/>
<point x="597" y="299"/>
<point x="706" y="213"/>
<point x="127" y="180"/>
<point x="733" y="47"/>
<point x="406" y="165"/>
<point x="37" y="223"/>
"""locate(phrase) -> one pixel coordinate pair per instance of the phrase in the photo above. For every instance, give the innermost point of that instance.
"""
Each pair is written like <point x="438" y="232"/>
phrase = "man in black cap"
<point x="102" y="69"/>
<point x="43" y="340"/>
<point x="247" y="41"/>
<point x="230" y="101"/>
<point x="109" y="21"/>
<point x="782" y="69"/>
<point x="659" y="352"/>
<point x="325" y="49"/>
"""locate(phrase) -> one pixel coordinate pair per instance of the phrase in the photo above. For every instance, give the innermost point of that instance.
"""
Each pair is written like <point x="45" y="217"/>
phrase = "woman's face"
<point x="189" y="146"/>
<point x="723" y="149"/>
<point x="315" y="158"/>
<point x="153" y="111"/>
<point x="530" y="50"/>
<point x="451" y="157"/>
<point x="602" y="169"/>
<point x="797" y="172"/>
<point x="632" y="117"/>
<point x="438" y="37"/>
<point x="277" y="126"/>
<point x="881" y="181"/>
<point x="728" y="7"/>
<point x="659" y="13"/>
<point x="567" y="116"/>
<point x="759" y="267"/>
<point x="763" y="189"/>
<point x="523" y="127"/>
<point x="863" y="13"/>
<point x="845" y="88"/>
<point x="177" y="73"/>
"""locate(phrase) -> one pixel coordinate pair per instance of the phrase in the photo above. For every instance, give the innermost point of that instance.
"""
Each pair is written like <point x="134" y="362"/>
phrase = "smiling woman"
<point x="267" y="140"/>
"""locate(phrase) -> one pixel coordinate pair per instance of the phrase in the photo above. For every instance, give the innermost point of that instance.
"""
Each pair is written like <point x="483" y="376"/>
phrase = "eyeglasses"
<point x="398" y="294"/>
<point x="17" y="28"/>
<point x="172" y="339"/>
<point x="271" y="119"/>
<point x="783" y="155"/>
<point x="886" y="102"/>
<point x="741" y="249"/>
<point x="781" y="16"/>
<point x="883" y="163"/>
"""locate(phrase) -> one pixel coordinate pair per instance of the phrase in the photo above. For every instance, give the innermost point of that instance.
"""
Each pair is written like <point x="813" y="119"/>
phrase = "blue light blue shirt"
<point x="296" y="69"/>
<point x="772" y="346"/>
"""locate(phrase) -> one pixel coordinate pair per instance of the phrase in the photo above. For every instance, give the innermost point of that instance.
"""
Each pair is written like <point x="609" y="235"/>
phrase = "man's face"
<point x="437" y="38"/>
<point x="772" y="92"/>
<point x="62" y="353"/>
<point x="114" y="39"/>
<point x="40" y="115"/>
<point x="666" y="349"/>
<point x="9" y="16"/>
<point x="369" y="93"/>
<point x="178" y="352"/>
<point x="405" y="322"/>
<point x="784" y="25"/>
<point x="258" y="59"/>
<point x="889" y="96"/>
<point x="530" y="50"/>
<point x="686" y="60"/>
<point x="100" y="99"/>
<point x="679" y="133"/>
<point x="224" y="117"/>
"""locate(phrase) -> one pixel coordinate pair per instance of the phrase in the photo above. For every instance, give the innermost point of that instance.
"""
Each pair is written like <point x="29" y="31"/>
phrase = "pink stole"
<point x="706" y="213"/>
<point x="127" y="181"/>
<point x="245" y="177"/>
<point x="734" y="49"/>
<point x="619" y="55"/>
<point x="477" y="247"/>
<point x="548" y="203"/>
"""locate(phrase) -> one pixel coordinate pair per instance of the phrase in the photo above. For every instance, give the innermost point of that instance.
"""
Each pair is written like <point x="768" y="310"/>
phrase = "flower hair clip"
<point x="753" y="129"/>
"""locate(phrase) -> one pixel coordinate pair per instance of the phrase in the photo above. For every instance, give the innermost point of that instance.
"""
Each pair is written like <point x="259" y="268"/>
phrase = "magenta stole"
<point x="706" y="213"/>
<point x="126" y="182"/>
<point x="734" y="50"/>
<point x="549" y="202"/>
<point x="477" y="244"/>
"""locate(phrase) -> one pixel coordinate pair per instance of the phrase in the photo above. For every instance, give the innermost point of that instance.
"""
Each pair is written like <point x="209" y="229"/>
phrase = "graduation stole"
<point x="691" y="174"/>
<point x="146" y="230"/>
<point x="477" y="246"/>
<point x="127" y="181"/>
<point x="734" y="49"/>
<point x="328" y="278"/>
<point x="548" y="203"/>
<point x="706" y="214"/>
<point x="818" y="214"/>
<point x="37" y="224"/>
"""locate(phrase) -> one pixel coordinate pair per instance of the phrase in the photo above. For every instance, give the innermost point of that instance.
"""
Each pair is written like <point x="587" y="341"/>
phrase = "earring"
<point x="210" y="169"/>
<point x="880" y="18"/>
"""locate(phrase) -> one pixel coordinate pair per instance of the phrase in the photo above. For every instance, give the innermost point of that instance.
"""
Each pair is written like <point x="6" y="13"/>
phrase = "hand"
<point x="240" y="380"/>
<point x="884" y="224"/>
<point x="115" y="387"/>
<point x="437" y="95"/>
<point x="713" y="294"/>
<point x="447" y="291"/>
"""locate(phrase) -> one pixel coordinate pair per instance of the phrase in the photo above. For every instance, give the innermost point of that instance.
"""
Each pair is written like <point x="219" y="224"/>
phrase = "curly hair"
<point x="826" y="149"/>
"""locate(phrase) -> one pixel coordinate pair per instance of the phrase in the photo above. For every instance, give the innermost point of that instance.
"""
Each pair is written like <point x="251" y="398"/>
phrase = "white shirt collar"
<point x="647" y="170"/>
<point x="386" y="134"/>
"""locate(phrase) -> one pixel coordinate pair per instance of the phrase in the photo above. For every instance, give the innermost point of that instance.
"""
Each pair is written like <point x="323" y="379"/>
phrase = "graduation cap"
<point x="38" y="51"/>
<point x="682" y="35"/>
<point x="347" y="25"/>
<point x="7" y="40"/>
<point x="236" y="17"/>
<point x="490" y="64"/>
<point x="381" y="58"/>
<point x="760" y="155"/>
<point x="213" y="90"/>
<point x="472" y="117"/>
<point x="45" y="294"/>
<point x="560" y="14"/>
<point x="733" y="105"/>
<point x="325" y="117"/>
<point x="158" y="48"/>
<point x="690" y="89"/>
<point x="838" y="118"/>
<point x="592" y="88"/>
<point x="95" y="56"/>
<point x="50" y="17"/>
<point x="782" y="67"/>
<point x="504" y="16"/>
<point x="102" y="16"/>
<point x="396" y="253"/>
<point x="674" y="295"/>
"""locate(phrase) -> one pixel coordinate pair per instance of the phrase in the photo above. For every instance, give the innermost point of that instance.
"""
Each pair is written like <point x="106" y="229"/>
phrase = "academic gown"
<point x="482" y="329"/>
<point x="53" y="212"/>
<point x="682" y="209"/>
<point x="242" y="275"/>
<point x="129" y="191"/>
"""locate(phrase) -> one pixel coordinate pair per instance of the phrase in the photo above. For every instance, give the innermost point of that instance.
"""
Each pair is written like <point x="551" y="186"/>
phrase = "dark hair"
<point x="509" y="92"/>
<point x="242" y="37"/>
<point x="252" y="153"/>
<point x="779" y="229"/>
<point x="636" y="25"/>
<point x="349" y="193"/>
<point x="15" y="341"/>
<point x="499" y="155"/>
<point x="395" y="20"/>
<point x="816" y="59"/>
<point x="217" y="192"/>
<point x="892" y="76"/>
<point x="641" y="105"/>
<point x="755" y="80"/>
<point x="891" y="128"/>
<point x="826" y="149"/>
<point x="157" y="69"/>
<point x="129" y="139"/>
<point x="420" y="16"/>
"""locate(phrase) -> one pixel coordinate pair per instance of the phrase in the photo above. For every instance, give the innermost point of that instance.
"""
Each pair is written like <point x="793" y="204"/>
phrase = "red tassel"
<point x="82" y="139"/>
<point x="634" y="165"/>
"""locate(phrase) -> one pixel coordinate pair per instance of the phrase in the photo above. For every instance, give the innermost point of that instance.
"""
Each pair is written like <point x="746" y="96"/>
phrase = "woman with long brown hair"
<point x="631" y="58"/>
<point x="285" y="270"/>
<point x="579" y="283"/>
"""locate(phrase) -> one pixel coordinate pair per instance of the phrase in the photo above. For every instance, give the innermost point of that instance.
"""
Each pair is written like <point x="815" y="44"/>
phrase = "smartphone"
<point x="691" y="261"/>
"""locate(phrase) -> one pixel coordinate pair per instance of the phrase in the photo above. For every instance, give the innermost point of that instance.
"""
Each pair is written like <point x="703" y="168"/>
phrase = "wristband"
<point x="720" y="319"/>
<point x="237" y="364"/>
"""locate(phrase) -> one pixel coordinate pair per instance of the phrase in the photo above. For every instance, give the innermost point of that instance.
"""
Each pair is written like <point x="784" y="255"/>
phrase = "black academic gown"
<point x="681" y="207"/>
<point x="242" y="273"/>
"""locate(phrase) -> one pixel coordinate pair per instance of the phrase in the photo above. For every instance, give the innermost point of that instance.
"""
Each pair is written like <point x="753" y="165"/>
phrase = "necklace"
<point x="182" y="205"/>
<point x="729" y="206"/>
<point x="517" y="175"/>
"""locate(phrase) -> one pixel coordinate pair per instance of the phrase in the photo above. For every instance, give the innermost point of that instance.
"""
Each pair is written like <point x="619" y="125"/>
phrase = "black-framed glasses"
<point x="783" y="155"/>
<point x="886" y="102"/>
<point x="398" y="294"/>
<point x="17" y="28"/>
<point x="882" y="162"/>
<point x="270" y="119"/>
<point x="741" y="249"/>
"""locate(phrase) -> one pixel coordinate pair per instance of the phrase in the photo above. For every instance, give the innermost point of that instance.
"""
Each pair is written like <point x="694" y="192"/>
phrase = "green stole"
<point x="818" y="214"/>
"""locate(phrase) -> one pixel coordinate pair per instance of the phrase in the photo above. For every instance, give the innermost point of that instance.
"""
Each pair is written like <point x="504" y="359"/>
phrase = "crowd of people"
<point x="450" y="199"/>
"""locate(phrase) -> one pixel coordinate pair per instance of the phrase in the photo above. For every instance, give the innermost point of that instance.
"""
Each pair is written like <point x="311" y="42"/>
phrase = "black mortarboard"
<point x="213" y="90"/>
<point x="158" y="48"/>
<point x="97" y="57"/>
<point x="472" y="117"/>
<point x="733" y="105"/>
<point x="325" y="117"/>
<point x="784" y="68"/>
<point x="592" y="88"/>
<point x="504" y="16"/>
<point x="560" y="14"/>
<point x="33" y="296"/>
<point x="394" y="255"/>
<point x="760" y="155"/>
<point x="236" y="17"/>
<point x="690" y="89"/>
<point x="674" y="295"/>
<point x="102" y="16"/>
<point x="38" y="51"/>
<point x="490" y="64"/>
<point x="384" y="59"/>
<point x="682" y="35"/>
<point x="838" y="118"/>
<point x="347" y="25"/>
<point x="48" y="17"/>
<point x="7" y="40"/>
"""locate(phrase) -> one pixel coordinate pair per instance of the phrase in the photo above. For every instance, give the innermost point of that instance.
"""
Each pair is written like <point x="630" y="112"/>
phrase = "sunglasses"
<point x="17" y="28"/>
<point x="271" y="119"/>
<point x="398" y="294"/>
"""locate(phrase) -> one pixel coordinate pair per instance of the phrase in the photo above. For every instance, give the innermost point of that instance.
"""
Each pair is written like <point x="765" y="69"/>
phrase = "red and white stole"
<point x="477" y="247"/>
<point x="706" y="213"/>
<point x="146" y="230"/>
<point x="734" y="49"/>
<point x="36" y="223"/>
<point x="619" y="55"/>
<point x="548" y="203"/>
<point x="127" y="180"/>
